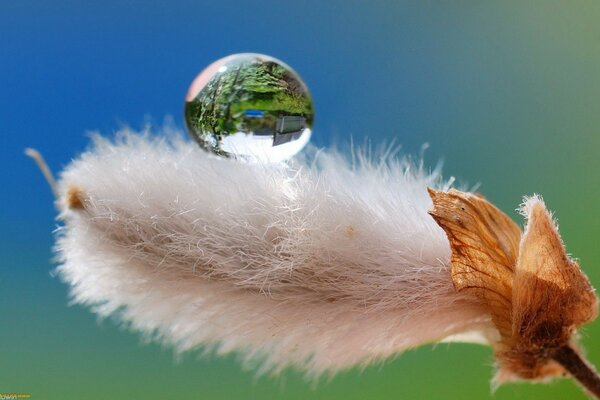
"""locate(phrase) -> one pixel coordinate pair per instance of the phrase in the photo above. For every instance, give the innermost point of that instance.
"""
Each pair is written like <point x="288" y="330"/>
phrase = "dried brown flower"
<point x="537" y="296"/>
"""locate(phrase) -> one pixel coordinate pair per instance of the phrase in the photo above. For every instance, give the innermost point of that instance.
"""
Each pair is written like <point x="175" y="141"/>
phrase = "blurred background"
<point x="506" y="93"/>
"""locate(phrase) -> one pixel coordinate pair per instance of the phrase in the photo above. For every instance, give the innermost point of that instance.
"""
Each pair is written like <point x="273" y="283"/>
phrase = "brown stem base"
<point x="579" y="368"/>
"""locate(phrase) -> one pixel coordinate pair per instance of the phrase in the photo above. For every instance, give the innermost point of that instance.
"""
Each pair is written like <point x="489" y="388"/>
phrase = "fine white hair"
<point x="322" y="262"/>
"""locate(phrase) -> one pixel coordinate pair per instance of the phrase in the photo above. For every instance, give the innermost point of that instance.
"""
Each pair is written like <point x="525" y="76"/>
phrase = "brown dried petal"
<point x="551" y="295"/>
<point x="485" y="244"/>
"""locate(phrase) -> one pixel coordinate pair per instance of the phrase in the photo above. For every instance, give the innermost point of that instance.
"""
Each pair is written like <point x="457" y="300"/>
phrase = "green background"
<point x="506" y="92"/>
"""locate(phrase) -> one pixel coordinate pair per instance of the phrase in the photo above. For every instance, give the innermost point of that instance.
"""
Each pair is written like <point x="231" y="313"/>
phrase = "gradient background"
<point x="507" y="93"/>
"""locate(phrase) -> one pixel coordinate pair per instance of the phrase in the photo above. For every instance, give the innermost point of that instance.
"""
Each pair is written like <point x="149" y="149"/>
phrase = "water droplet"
<point x="249" y="106"/>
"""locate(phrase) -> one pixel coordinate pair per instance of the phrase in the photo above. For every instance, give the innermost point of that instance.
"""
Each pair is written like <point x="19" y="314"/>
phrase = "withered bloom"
<point x="536" y="295"/>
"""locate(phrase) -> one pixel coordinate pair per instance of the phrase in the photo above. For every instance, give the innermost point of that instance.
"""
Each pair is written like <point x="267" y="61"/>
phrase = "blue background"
<point x="507" y="93"/>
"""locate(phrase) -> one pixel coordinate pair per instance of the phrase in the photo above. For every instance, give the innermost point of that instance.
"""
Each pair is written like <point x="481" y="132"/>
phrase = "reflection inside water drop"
<point x="250" y="106"/>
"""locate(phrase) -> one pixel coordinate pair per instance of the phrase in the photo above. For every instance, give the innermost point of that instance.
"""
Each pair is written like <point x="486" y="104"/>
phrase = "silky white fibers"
<point x="321" y="262"/>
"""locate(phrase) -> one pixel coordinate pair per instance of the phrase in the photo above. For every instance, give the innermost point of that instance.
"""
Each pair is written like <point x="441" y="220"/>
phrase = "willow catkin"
<point x="322" y="262"/>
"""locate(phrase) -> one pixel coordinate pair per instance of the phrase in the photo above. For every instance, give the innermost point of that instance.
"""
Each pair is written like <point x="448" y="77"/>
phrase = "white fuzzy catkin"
<point x="320" y="262"/>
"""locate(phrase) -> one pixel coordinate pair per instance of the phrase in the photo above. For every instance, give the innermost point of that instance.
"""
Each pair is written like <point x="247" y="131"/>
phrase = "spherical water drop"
<point x="249" y="106"/>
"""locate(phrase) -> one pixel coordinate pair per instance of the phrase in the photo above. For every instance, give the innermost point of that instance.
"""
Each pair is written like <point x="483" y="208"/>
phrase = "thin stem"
<point x="41" y="163"/>
<point x="579" y="368"/>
